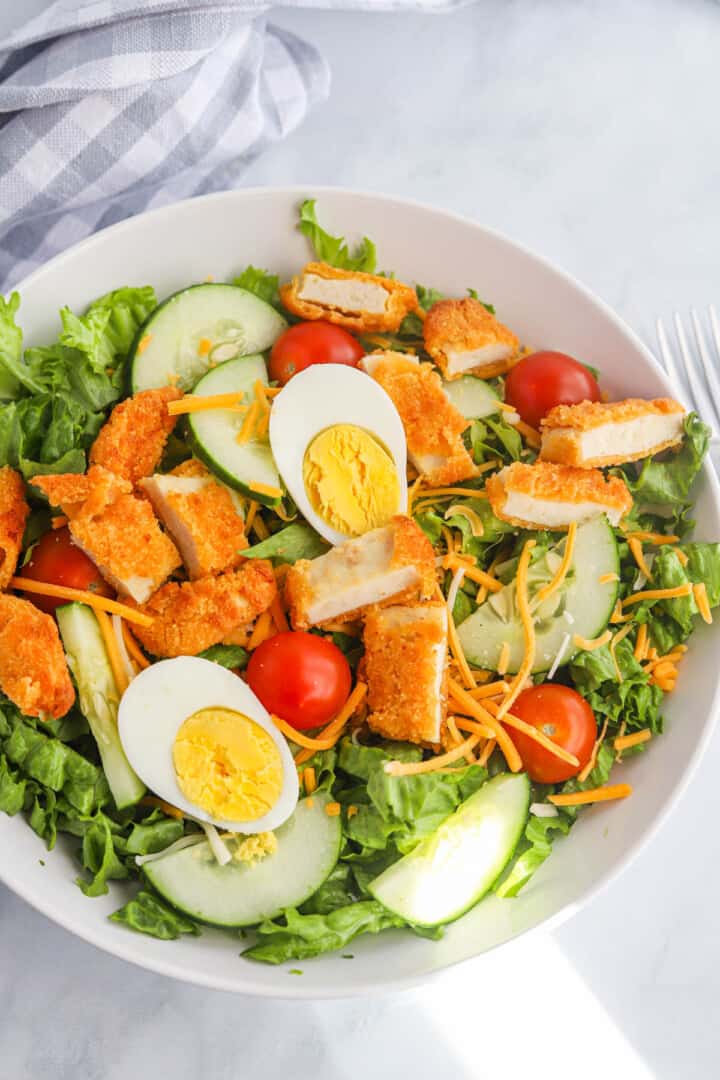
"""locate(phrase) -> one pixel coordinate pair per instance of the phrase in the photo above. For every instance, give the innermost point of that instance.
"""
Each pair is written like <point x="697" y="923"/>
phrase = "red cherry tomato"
<point x="545" y="379"/>
<point x="300" y="677"/>
<point x="566" y="718"/>
<point x="56" y="560"/>
<point x="309" y="343"/>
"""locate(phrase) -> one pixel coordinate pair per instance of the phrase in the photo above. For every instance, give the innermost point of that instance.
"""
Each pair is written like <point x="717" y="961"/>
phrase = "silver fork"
<point x="698" y="363"/>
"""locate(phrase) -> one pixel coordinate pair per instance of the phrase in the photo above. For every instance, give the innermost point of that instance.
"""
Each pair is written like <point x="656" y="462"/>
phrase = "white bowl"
<point x="218" y="235"/>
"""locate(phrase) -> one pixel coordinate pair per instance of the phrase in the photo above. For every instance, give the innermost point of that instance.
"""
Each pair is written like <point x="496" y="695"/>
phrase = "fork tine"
<point x="668" y="359"/>
<point x="703" y="401"/>
<point x="715" y="329"/>
<point x="713" y="381"/>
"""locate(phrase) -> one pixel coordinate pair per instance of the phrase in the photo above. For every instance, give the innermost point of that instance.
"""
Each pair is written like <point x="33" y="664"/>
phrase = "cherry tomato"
<point x="566" y="718"/>
<point x="545" y="379"/>
<point x="309" y="343"/>
<point x="56" y="560"/>
<point x="300" y="677"/>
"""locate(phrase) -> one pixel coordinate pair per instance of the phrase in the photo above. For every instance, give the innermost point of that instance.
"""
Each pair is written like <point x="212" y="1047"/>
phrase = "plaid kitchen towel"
<point x="109" y="107"/>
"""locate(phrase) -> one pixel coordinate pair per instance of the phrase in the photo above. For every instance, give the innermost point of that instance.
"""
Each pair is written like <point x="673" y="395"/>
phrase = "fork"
<point x="701" y="387"/>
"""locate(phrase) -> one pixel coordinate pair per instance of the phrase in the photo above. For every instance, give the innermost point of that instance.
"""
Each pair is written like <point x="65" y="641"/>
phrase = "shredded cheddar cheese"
<point x="414" y="768"/>
<point x="624" y="742"/>
<point x="466" y="704"/>
<point x="605" y="579"/>
<point x="113" y="653"/>
<point x="267" y="490"/>
<point x="193" y="404"/>
<point x="487" y="751"/>
<point x="562" y="571"/>
<point x="523" y="604"/>
<point x="641" y="643"/>
<point x="617" y="638"/>
<point x="333" y="809"/>
<point x="412" y="493"/>
<point x="262" y="630"/>
<point x="144" y="342"/>
<point x="658" y="594"/>
<point x="701" y="599"/>
<point x="585" y="772"/>
<point x="97" y="603"/>
<point x="334" y="729"/>
<point x="492" y="689"/>
<point x="590" y="644"/>
<point x="636" y="551"/>
<point x="530" y="435"/>
<point x="455" y="562"/>
<point x="136" y="653"/>
<point x="278" y="615"/>
<point x="352" y="811"/>
<point x="166" y="807"/>
<point x="504" y="658"/>
<point x="204" y="346"/>
<point x="246" y="431"/>
<point x="471" y="516"/>
<point x="652" y="538"/>
<point x="592" y="795"/>
<point x="260" y="528"/>
<point x="682" y="557"/>
<point x="252" y="511"/>
<point x="58" y="522"/>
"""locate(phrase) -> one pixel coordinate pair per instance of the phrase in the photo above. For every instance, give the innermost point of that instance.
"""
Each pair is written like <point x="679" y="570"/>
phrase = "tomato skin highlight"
<point x="545" y="379"/>
<point x="301" y="677"/>
<point x="565" y="717"/>
<point x="309" y="343"/>
<point x="56" y="560"/>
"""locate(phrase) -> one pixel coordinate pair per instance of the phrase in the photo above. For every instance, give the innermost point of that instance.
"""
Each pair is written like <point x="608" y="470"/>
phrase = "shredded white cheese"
<point x="183" y="842"/>
<point x="559" y="655"/>
<point x="543" y="809"/>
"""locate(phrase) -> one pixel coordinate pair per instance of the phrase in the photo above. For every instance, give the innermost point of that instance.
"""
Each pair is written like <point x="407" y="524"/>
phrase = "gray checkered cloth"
<point x="109" y="107"/>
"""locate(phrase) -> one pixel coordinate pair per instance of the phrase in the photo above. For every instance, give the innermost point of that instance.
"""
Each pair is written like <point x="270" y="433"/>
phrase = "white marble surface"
<point x="588" y="131"/>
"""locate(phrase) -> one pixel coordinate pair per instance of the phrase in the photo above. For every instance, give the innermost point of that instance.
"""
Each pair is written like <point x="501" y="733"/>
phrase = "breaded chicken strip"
<point x="192" y="616"/>
<point x="132" y="441"/>
<point x="13" y="514"/>
<point x="596" y="433"/>
<point x="406" y="670"/>
<point x="350" y="298"/>
<point x="545" y="496"/>
<point x="464" y="338"/>
<point x="33" y="670"/>
<point x="202" y="515"/>
<point x="115" y="528"/>
<point x="388" y="565"/>
<point x="433" y="426"/>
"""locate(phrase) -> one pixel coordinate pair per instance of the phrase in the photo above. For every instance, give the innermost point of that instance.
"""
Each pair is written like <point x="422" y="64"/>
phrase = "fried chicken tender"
<point x="350" y="298"/>
<point x="203" y="516"/>
<point x="433" y="426"/>
<point x="463" y="337"/>
<point x="13" y="515"/>
<point x="33" y="670"/>
<point x="548" y="496"/>
<point x="597" y="433"/>
<point x="192" y="616"/>
<point x="132" y="441"/>
<point x="115" y="528"/>
<point x="406" y="670"/>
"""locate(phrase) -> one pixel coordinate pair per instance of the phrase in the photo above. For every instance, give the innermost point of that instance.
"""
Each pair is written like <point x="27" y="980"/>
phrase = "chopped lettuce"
<point x="260" y="282"/>
<point x="494" y="439"/>
<point x="634" y="700"/>
<point x="146" y="913"/>
<point x="233" y="657"/>
<point x="298" y="541"/>
<point x="333" y="249"/>
<point x="297" y="937"/>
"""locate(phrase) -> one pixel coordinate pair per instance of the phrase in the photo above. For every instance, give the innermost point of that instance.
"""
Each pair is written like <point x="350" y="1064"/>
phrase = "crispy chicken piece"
<point x="194" y="615"/>
<point x="203" y="516"/>
<point x="388" y="565"/>
<point x="361" y="302"/>
<point x="13" y="515"/>
<point x="547" y="496"/>
<point x="33" y="670"/>
<point x="115" y="528"/>
<point x="465" y="339"/>
<point x="598" y="434"/>
<point x="433" y="426"/>
<point x="406" y="670"/>
<point x="132" y="441"/>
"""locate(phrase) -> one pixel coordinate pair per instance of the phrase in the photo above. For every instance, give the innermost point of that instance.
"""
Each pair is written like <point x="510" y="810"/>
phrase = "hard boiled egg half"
<point x="339" y="445"/>
<point x="198" y="737"/>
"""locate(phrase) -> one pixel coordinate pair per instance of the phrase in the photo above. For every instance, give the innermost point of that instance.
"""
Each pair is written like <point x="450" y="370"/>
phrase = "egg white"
<point x="157" y="703"/>
<point x="320" y="397"/>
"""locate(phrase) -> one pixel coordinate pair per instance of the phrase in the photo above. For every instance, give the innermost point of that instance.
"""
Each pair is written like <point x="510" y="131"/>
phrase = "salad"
<point x="327" y="605"/>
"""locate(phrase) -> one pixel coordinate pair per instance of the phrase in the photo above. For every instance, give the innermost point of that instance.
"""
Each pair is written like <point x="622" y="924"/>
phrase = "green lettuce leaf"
<point x="490" y="439"/>
<point x="12" y="788"/>
<point x="671" y="621"/>
<point x="536" y="846"/>
<point x="633" y="700"/>
<point x="333" y="249"/>
<point x="298" y="541"/>
<point x="260" y="282"/>
<point x="148" y="914"/>
<point x="155" y="833"/>
<point x="335" y="892"/>
<point x="297" y="937"/>
<point x="233" y="657"/>
<point x="13" y="373"/>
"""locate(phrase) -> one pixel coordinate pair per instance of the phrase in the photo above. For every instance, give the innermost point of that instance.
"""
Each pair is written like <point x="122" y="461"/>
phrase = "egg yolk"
<point x="227" y="765"/>
<point x="350" y="480"/>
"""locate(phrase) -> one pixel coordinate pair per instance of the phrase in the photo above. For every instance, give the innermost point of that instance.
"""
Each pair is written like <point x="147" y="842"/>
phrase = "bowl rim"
<point x="182" y="971"/>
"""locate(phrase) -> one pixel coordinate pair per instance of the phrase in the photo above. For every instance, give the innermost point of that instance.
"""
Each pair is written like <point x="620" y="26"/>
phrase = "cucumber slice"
<point x="472" y="397"/>
<point x="99" y="697"/>
<point x="240" y="894"/>
<point x="213" y="435"/>
<point x="168" y="348"/>
<point x="582" y="606"/>
<point x="454" y="868"/>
